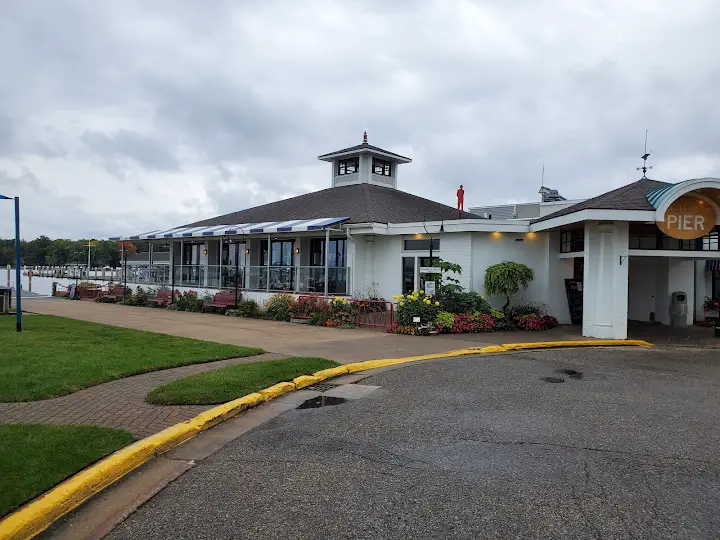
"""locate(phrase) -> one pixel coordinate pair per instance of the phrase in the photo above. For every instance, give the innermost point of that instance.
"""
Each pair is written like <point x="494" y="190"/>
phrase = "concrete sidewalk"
<point x="351" y="345"/>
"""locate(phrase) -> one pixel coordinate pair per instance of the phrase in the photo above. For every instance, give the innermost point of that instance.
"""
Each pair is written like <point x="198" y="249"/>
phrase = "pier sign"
<point x="688" y="218"/>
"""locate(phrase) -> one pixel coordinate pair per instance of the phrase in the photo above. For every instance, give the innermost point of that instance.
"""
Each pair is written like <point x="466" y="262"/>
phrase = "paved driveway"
<point x="475" y="447"/>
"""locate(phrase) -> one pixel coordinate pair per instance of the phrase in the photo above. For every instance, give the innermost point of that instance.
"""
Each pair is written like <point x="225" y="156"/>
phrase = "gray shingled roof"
<point x="363" y="146"/>
<point x="630" y="197"/>
<point x="362" y="203"/>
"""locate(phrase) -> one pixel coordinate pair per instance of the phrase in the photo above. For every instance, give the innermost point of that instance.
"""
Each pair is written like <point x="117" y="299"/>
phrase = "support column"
<point x="327" y="258"/>
<point x="269" y="255"/>
<point x="605" y="284"/>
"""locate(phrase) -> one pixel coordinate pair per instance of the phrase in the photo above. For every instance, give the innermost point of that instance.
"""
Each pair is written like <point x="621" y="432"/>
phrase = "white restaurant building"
<point x="603" y="261"/>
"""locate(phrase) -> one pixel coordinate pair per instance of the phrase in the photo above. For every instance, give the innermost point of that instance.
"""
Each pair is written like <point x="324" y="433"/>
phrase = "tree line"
<point x="44" y="251"/>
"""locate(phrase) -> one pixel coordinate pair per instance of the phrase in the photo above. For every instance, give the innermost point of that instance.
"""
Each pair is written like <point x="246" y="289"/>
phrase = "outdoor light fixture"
<point x="297" y="250"/>
<point x="247" y="251"/>
<point x="205" y="251"/>
<point x="497" y="234"/>
<point x="531" y="235"/>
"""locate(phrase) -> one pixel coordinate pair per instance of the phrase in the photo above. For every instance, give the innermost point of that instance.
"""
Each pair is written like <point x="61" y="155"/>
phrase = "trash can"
<point x="5" y="299"/>
<point x="679" y="309"/>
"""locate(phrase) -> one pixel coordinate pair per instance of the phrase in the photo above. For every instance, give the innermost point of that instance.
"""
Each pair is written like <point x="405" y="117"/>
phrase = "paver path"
<point x="351" y="345"/>
<point x="118" y="404"/>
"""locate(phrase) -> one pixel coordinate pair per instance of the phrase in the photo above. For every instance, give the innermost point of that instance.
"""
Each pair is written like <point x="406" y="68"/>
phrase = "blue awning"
<point x="267" y="227"/>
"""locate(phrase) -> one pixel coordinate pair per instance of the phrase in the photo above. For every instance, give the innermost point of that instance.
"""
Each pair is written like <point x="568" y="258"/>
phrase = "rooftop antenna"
<point x="644" y="157"/>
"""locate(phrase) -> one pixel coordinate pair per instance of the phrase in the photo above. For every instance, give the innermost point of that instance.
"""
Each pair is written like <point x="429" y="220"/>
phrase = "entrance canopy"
<point x="295" y="225"/>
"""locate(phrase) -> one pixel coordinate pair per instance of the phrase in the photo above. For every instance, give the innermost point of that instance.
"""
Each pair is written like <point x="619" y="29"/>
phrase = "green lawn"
<point x="232" y="382"/>
<point x="37" y="457"/>
<point x="54" y="356"/>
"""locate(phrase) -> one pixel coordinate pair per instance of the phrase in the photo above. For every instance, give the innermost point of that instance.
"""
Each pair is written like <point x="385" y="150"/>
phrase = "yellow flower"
<point x="427" y="302"/>
<point x="402" y="303"/>
<point x="422" y="292"/>
<point x="437" y="303"/>
<point x="398" y="296"/>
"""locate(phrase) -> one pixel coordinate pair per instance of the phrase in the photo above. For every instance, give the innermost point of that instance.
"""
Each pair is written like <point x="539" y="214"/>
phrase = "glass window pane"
<point x="648" y="242"/>
<point x="408" y="275"/>
<point x="422" y="245"/>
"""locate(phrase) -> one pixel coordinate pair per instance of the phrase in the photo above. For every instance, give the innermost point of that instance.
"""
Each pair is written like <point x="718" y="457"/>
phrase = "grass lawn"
<point x="232" y="382"/>
<point x="54" y="356"/>
<point x="37" y="457"/>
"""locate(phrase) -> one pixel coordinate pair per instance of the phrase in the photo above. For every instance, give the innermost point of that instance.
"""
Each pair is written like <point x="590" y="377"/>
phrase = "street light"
<point x="425" y="226"/>
<point x="18" y="284"/>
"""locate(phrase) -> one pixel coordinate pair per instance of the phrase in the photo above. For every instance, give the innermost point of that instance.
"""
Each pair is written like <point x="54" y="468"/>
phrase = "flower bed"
<point x="537" y="322"/>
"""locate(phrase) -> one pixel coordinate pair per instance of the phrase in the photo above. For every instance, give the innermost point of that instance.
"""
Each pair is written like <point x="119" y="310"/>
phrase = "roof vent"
<point x="550" y="195"/>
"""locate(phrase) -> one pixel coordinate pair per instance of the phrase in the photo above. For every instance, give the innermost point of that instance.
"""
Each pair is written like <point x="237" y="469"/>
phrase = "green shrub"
<point x="139" y="298"/>
<point x="188" y="301"/>
<point x="248" y="308"/>
<point x="280" y="307"/>
<point x="445" y="321"/>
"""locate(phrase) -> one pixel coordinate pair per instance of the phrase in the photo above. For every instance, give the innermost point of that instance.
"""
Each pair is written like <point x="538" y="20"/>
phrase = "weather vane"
<point x="645" y="156"/>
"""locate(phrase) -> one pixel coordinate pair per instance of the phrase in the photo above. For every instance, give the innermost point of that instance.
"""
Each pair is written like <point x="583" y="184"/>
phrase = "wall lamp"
<point x="297" y="250"/>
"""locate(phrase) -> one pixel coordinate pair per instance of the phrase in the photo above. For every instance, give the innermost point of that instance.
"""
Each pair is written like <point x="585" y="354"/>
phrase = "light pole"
<point x="425" y="226"/>
<point x="18" y="273"/>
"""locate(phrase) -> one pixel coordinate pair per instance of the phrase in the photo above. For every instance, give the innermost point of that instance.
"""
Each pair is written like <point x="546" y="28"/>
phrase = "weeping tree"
<point x="506" y="279"/>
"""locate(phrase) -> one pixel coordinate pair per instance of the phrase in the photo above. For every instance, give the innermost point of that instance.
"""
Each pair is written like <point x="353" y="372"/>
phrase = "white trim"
<point x="594" y="215"/>
<point x="675" y="253"/>
<point x="337" y="155"/>
<point x="572" y="255"/>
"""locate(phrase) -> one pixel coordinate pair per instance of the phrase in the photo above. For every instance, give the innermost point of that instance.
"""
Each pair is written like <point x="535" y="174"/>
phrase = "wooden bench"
<point x="116" y="293"/>
<point x="162" y="298"/>
<point x="222" y="301"/>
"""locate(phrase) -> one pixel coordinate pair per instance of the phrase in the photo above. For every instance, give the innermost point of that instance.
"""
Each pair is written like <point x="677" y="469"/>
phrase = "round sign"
<point x="688" y="218"/>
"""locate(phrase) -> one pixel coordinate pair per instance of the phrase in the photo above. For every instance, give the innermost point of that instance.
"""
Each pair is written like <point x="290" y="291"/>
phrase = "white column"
<point x="605" y="285"/>
<point x="327" y="258"/>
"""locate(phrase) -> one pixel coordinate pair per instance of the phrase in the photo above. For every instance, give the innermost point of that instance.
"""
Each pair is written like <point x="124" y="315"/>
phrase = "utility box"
<point x="679" y="309"/>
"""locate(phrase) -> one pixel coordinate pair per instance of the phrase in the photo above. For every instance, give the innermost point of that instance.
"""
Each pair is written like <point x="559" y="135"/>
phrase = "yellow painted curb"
<point x="37" y="515"/>
<point x="585" y="343"/>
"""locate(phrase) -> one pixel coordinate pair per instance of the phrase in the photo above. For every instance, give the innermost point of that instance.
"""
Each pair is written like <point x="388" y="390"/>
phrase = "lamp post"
<point x="425" y="226"/>
<point x="18" y="273"/>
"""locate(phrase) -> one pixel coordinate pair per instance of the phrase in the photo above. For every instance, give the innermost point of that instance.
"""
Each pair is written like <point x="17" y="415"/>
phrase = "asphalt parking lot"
<point x="628" y="446"/>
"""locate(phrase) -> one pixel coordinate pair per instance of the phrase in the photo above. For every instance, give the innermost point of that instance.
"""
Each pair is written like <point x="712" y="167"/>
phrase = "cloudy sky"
<point x="121" y="117"/>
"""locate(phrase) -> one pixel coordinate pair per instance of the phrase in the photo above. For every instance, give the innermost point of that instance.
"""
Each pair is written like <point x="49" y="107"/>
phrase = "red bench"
<point x="222" y="301"/>
<point x="163" y="298"/>
<point x="115" y="293"/>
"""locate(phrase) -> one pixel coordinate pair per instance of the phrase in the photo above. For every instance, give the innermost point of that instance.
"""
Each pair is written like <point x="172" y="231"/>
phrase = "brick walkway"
<point x="118" y="404"/>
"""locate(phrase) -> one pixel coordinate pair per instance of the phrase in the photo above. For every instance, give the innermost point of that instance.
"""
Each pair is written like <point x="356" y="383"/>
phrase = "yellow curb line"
<point x="37" y="515"/>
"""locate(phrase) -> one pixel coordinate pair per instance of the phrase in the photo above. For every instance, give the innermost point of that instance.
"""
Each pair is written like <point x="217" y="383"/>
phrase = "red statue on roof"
<point x="461" y="199"/>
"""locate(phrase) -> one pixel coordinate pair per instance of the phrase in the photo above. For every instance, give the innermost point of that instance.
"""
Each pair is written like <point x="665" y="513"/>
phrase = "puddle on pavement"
<point x="552" y="379"/>
<point x="321" y="401"/>
<point x="570" y="373"/>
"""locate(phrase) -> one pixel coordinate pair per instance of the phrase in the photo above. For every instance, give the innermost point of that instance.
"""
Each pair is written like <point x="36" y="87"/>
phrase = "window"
<point x="421" y="245"/>
<point x="716" y="286"/>
<point x="382" y="167"/>
<point x="710" y="242"/>
<point x="337" y="255"/>
<point x="282" y="253"/>
<point x="408" y="275"/>
<point x="348" y="166"/>
<point x="571" y="241"/>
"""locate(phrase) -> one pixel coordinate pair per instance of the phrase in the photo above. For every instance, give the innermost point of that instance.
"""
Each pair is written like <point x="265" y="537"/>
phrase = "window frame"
<point x="385" y="165"/>
<point x="342" y="168"/>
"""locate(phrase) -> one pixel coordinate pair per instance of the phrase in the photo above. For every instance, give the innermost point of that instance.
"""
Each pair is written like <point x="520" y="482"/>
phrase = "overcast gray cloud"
<point x="119" y="117"/>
